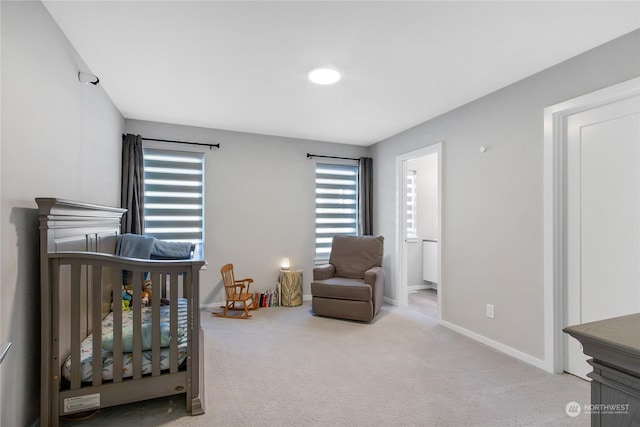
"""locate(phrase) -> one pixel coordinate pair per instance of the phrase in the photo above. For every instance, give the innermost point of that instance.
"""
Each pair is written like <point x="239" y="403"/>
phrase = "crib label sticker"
<point x="82" y="403"/>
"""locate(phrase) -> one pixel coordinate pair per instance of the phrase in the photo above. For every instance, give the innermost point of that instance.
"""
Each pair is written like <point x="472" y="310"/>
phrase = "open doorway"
<point x="419" y="224"/>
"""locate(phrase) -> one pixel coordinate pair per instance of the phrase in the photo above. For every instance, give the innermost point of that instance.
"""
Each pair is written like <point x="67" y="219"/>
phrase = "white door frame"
<point x="401" y="298"/>
<point x="554" y="212"/>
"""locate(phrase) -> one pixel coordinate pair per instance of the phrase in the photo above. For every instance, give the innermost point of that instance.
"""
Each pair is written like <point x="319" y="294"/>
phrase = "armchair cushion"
<point x="353" y="256"/>
<point x="341" y="288"/>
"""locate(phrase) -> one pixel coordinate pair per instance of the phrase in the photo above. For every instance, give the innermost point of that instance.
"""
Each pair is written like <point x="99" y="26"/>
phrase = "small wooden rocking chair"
<point x="237" y="292"/>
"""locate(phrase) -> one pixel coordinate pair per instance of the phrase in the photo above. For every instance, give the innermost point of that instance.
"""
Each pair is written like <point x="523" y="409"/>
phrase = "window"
<point x="174" y="196"/>
<point x="412" y="194"/>
<point x="336" y="204"/>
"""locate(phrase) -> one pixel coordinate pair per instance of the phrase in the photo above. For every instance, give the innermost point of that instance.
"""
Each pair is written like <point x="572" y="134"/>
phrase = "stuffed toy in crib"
<point x="127" y="298"/>
<point x="146" y="298"/>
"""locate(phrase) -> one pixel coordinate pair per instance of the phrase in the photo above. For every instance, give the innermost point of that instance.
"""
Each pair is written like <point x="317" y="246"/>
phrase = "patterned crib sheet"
<point x="127" y="358"/>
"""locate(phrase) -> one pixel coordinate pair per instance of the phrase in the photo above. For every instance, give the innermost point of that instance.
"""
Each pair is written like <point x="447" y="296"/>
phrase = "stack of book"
<point x="266" y="298"/>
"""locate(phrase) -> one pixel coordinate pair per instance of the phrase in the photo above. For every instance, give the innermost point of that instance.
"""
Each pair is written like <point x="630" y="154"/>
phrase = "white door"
<point x="603" y="218"/>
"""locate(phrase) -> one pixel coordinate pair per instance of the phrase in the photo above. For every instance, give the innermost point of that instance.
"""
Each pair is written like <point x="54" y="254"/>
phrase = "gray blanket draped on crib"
<point x="147" y="247"/>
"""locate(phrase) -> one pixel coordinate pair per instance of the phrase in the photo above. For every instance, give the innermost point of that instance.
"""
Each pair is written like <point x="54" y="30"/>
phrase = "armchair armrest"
<point x="375" y="278"/>
<point x="323" y="272"/>
<point x="372" y="275"/>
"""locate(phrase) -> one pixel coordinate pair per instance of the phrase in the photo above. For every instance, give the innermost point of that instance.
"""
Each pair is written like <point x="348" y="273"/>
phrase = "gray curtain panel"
<point x="132" y="191"/>
<point x="365" y="197"/>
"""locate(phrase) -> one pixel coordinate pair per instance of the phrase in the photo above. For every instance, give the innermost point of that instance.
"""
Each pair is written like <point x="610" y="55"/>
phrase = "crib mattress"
<point x="86" y="347"/>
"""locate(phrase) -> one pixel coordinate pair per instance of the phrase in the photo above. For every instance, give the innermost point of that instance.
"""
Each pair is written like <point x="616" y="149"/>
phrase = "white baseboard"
<point x="419" y="287"/>
<point x="218" y="304"/>
<point x="389" y="300"/>
<point x="527" y="358"/>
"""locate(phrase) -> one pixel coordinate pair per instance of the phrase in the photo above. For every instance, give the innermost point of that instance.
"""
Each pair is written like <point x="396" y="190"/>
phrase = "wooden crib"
<point x="82" y="288"/>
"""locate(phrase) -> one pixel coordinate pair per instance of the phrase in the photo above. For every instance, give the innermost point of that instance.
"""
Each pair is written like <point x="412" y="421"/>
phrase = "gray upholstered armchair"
<point x="351" y="285"/>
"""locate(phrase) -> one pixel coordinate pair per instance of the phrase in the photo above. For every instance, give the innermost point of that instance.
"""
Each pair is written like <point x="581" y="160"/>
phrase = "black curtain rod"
<point x="331" y="157"/>
<point x="184" y="142"/>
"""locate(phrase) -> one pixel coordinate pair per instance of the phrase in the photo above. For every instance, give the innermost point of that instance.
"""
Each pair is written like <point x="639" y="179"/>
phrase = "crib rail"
<point x="80" y="284"/>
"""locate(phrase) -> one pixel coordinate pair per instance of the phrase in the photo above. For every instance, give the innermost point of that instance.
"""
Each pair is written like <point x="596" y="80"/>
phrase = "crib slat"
<point x="157" y="280"/>
<point x="116" y="288"/>
<point x="187" y="294"/>
<point x="54" y="363"/>
<point x="191" y="357"/>
<point x="96" y="324"/>
<point x="195" y="345"/>
<point x="137" y="324"/>
<point x="74" y="298"/>
<point x="173" y="352"/>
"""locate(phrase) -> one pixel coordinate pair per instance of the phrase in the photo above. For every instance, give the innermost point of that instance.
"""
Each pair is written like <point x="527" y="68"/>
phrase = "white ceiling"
<point x="242" y="65"/>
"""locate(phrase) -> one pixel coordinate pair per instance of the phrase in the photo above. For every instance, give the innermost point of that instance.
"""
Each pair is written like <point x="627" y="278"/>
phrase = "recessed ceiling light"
<point x="324" y="76"/>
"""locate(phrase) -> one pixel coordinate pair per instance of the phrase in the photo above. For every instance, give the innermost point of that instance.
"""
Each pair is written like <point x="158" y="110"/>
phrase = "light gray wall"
<point x="259" y="201"/>
<point x="60" y="138"/>
<point x="492" y="203"/>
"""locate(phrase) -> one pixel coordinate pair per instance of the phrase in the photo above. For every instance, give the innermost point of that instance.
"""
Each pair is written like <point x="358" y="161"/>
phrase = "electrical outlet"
<point x="490" y="313"/>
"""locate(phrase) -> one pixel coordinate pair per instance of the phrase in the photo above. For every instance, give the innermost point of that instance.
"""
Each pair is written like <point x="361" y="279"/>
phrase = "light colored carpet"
<point x="424" y="301"/>
<point x="286" y="367"/>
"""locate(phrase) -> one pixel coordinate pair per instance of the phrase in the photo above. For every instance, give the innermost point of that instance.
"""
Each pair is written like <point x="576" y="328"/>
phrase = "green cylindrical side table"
<point x="290" y="287"/>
